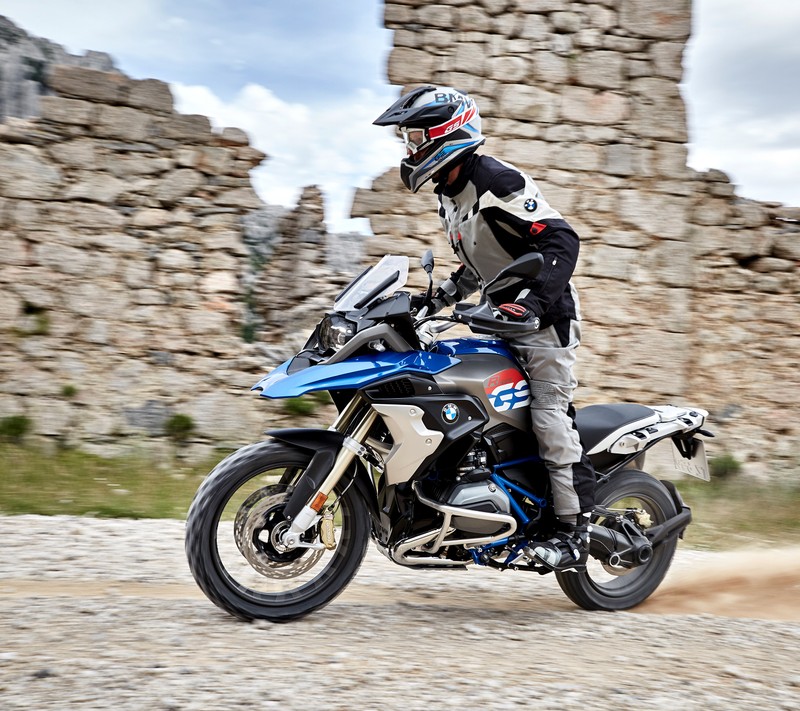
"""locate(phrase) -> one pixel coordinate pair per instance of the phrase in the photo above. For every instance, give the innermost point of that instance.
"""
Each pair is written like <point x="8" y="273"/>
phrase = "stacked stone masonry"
<point x="689" y="291"/>
<point x="124" y="266"/>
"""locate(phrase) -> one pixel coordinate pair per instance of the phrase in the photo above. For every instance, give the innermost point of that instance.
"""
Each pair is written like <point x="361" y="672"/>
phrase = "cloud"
<point x="83" y="25"/>
<point x="743" y="95"/>
<point x="333" y="145"/>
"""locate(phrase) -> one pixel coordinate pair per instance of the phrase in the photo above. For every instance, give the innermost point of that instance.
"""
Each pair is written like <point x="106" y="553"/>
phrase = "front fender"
<point x="351" y="374"/>
<point x="326" y="445"/>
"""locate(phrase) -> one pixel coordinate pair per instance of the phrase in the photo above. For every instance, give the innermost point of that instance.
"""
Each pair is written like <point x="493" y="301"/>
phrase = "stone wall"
<point x="124" y="270"/>
<point x="24" y="61"/>
<point x="689" y="291"/>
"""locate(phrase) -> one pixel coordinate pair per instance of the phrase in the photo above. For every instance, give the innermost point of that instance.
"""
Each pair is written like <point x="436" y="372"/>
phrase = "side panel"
<point x="427" y="428"/>
<point x="497" y="382"/>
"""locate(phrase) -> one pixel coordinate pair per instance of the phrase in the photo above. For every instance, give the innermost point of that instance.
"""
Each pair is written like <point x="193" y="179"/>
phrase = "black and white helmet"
<point x="440" y="127"/>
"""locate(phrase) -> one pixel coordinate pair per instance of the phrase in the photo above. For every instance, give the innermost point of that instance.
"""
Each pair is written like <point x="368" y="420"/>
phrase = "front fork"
<point x="352" y="446"/>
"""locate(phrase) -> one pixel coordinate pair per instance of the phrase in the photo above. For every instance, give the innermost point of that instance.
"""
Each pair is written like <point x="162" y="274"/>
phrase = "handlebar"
<point x="481" y="319"/>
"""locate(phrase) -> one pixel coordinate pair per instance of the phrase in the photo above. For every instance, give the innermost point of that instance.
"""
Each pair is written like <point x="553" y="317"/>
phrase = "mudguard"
<point x="351" y="374"/>
<point x="326" y="445"/>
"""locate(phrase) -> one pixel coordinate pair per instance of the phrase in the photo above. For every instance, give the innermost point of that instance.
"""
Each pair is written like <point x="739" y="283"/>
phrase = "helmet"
<point x="440" y="126"/>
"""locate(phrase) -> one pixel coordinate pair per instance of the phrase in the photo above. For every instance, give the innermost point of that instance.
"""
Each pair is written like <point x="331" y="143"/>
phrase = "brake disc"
<point x="257" y="529"/>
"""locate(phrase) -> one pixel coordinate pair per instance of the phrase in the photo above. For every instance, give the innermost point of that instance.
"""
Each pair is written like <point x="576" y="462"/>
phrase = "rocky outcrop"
<point x="690" y="292"/>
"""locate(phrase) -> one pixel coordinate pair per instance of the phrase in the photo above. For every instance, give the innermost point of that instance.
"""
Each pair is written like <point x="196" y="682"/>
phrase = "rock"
<point x="26" y="173"/>
<point x="150" y="95"/>
<point x="123" y="123"/>
<point x="69" y="111"/>
<point x="81" y="83"/>
<point x="527" y="103"/>
<point x="598" y="107"/>
<point x="187" y="128"/>
<point x="602" y="70"/>
<point x="670" y="19"/>
<point x="178" y="184"/>
<point x="233" y="137"/>
<point x="647" y="211"/>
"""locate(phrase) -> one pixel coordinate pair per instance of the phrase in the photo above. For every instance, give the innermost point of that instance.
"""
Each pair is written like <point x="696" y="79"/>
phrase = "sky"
<point x="306" y="79"/>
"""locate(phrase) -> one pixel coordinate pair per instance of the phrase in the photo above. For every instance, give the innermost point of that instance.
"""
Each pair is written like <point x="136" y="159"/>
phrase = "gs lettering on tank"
<point x="505" y="394"/>
<point x="508" y="390"/>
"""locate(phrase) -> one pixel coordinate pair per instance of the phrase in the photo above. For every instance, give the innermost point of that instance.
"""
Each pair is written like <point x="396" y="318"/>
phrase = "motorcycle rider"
<point x="493" y="214"/>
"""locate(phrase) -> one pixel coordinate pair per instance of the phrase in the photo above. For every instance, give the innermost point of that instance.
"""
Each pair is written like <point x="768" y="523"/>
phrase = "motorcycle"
<point x="432" y="457"/>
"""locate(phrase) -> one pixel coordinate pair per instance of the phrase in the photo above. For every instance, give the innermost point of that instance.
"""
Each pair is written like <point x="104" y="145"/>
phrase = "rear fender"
<point x="325" y="444"/>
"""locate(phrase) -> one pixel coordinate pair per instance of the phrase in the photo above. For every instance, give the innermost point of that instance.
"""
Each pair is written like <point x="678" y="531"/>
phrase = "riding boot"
<point x="568" y="549"/>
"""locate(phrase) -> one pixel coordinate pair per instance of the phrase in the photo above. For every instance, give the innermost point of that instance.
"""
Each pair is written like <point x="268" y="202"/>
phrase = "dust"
<point x="759" y="584"/>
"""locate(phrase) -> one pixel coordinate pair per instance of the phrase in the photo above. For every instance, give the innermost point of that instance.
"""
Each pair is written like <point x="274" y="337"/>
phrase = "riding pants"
<point x="548" y="357"/>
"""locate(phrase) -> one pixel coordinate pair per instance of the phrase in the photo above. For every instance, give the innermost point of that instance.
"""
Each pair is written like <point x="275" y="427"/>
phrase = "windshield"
<point x="388" y="275"/>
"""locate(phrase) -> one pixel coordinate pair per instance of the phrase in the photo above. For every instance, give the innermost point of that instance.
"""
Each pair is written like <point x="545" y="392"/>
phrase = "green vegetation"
<point x="179" y="428"/>
<point x="724" y="467"/>
<point x="729" y="513"/>
<point x="39" y="321"/>
<point x="299" y="406"/>
<point x="306" y="405"/>
<point x="79" y="484"/>
<point x="738" y="512"/>
<point x="249" y="332"/>
<point x="14" y="427"/>
<point x="69" y="391"/>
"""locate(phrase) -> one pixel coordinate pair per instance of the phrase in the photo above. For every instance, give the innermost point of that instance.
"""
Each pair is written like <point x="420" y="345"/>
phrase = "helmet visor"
<point x="415" y="139"/>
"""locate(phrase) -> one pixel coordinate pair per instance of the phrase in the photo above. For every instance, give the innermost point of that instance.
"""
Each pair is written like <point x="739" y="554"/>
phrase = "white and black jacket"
<point x="493" y="214"/>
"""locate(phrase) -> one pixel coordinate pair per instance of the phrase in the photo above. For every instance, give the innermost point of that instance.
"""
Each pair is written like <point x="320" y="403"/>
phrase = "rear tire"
<point x="231" y="552"/>
<point x="597" y="588"/>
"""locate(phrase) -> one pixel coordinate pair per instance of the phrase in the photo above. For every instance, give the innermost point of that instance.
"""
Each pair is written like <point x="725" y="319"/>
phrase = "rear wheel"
<point x="233" y="538"/>
<point x="605" y="587"/>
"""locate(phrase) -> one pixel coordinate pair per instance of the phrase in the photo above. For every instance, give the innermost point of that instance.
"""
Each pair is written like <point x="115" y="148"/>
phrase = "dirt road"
<point x="95" y="614"/>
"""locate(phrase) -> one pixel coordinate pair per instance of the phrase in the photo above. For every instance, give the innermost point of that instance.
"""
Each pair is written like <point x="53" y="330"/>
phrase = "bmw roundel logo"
<point x="531" y="205"/>
<point x="450" y="412"/>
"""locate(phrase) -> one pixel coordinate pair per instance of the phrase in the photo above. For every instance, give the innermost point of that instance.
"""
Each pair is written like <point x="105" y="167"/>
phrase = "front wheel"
<point x="605" y="587"/>
<point x="233" y="538"/>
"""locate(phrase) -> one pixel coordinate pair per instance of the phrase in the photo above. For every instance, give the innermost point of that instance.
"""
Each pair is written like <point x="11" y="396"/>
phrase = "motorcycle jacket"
<point x="493" y="214"/>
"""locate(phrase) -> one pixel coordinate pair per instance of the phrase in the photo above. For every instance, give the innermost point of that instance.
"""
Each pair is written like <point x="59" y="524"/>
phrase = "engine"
<point x="483" y="496"/>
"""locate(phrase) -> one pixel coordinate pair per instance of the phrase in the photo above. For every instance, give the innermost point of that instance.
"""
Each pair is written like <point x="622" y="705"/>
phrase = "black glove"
<point x="435" y="303"/>
<point x="418" y="301"/>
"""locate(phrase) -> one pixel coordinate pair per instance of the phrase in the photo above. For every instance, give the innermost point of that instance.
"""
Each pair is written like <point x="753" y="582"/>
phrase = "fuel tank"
<point x="489" y="371"/>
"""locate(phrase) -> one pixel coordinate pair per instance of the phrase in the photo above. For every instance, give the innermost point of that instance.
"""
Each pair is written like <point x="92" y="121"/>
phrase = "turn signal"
<point x="319" y="501"/>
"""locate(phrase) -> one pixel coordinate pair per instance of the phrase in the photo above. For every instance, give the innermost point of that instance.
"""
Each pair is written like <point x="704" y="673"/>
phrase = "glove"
<point x="419" y="301"/>
<point x="515" y="312"/>
<point x="519" y="313"/>
<point x="433" y="305"/>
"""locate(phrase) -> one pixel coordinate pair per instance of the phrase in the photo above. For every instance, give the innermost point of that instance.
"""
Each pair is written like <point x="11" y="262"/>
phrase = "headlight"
<point x="334" y="332"/>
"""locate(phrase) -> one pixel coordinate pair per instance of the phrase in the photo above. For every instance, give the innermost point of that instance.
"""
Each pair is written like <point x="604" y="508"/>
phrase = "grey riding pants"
<point x="549" y="366"/>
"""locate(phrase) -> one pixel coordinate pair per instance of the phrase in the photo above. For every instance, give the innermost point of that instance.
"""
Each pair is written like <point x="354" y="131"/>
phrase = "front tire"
<point x="601" y="587"/>
<point x="230" y="540"/>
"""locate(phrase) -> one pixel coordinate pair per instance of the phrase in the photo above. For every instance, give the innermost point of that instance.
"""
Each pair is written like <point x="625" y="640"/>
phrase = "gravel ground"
<point x="104" y="613"/>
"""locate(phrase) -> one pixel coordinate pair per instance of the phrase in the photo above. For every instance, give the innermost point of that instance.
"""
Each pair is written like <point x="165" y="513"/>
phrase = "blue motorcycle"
<point x="432" y="457"/>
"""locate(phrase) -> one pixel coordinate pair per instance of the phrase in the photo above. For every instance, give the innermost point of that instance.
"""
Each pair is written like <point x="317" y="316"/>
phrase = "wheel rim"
<point x="619" y="582"/>
<point x="246" y="548"/>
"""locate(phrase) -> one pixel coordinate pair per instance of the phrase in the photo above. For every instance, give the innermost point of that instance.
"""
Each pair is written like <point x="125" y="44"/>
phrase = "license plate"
<point x="697" y="466"/>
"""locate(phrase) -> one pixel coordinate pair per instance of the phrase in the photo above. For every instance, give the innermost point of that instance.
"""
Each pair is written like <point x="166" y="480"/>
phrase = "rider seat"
<point x="597" y="423"/>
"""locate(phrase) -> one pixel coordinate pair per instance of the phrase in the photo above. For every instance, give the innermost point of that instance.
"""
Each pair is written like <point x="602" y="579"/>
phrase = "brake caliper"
<point x="326" y="530"/>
